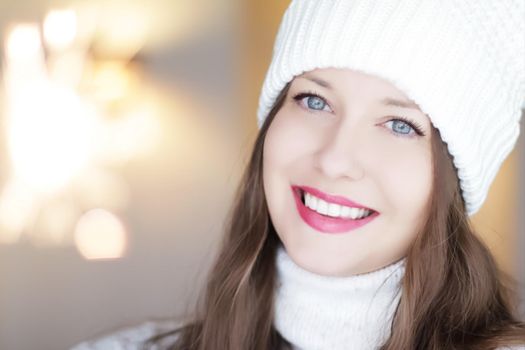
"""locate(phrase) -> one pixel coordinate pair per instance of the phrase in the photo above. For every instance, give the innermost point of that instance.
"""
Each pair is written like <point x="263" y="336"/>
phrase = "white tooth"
<point x="354" y="212"/>
<point x="345" y="212"/>
<point x="307" y="200"/>
<point x="366" y="212"/>
<point x="322" y="207"/>
<point x="313" y="202"/>
<point x="334" y="209"/>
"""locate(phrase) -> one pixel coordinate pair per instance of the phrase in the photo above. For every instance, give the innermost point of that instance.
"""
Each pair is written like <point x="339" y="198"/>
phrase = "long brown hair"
<point x="467" y="303"/>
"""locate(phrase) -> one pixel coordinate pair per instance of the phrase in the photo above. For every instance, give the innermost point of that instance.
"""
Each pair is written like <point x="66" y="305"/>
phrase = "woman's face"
<point x="348" y="142"/>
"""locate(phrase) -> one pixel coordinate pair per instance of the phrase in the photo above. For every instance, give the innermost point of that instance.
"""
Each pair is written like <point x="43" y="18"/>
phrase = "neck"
<point x="314" y="311"/>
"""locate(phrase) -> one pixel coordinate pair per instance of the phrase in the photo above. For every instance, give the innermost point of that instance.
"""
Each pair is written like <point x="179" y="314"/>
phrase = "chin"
<point x="319" y="265"/>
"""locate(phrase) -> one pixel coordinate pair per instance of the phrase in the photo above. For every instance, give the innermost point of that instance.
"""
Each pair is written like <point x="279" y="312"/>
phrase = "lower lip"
<point x="327" y="224"/>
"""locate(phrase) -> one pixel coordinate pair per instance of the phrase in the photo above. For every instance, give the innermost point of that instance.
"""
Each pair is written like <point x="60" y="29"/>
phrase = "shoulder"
<point x="131" y="338"/>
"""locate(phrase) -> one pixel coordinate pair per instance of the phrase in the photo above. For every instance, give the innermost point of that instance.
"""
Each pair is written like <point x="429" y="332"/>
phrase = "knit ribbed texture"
<point x="461" y="61"/>
<point x="316" y="312"/>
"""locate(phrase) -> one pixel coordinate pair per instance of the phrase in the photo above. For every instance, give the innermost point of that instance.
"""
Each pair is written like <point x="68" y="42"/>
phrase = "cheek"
<point x="276" y="156"/>
<point x="407" y="179"/>
<point x="405" y="183"/>
<point x="287" y="140"/>
<point x="285" y="148"/>
<point x="401" y="169"/>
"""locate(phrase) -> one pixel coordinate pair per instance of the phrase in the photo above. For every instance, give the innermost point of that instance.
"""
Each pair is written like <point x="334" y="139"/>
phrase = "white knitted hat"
<point x="461" y="61"/>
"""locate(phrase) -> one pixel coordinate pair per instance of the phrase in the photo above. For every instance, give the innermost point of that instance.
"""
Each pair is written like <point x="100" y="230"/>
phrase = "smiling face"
<point x="347" y="144"/>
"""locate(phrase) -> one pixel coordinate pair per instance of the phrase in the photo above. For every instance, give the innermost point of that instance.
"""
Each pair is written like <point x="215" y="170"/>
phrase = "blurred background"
<point x="124" y="128"/>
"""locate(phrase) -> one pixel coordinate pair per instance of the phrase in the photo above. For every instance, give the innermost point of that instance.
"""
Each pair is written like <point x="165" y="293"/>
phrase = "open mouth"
<point x="342" y="219"/>
<point x="343" y="212"/>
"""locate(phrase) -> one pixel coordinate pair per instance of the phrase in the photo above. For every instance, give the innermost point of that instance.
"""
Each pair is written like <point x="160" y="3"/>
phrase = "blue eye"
<point x="402" y="126"/>
<point x="314" y="102"/>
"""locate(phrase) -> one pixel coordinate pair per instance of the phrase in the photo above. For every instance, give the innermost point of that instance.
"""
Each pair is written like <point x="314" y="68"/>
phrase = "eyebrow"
<point x="318" y="81"/>
<point x="387" y="101"/>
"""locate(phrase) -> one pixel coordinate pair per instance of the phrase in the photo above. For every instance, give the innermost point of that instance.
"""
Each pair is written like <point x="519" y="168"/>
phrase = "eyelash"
<point x="417" y="128"/>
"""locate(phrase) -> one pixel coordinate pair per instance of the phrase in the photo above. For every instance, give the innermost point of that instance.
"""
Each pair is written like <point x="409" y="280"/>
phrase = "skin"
<point x="348" y="143"/>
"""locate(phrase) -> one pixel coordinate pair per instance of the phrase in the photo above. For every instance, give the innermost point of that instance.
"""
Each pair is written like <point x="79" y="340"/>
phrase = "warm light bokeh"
<point x="69" y="114"/>
<point x="23" y="42"/>
<point x="50" y="137"/>
<point x="60" y="28"/>
<point x="99" y="234"/>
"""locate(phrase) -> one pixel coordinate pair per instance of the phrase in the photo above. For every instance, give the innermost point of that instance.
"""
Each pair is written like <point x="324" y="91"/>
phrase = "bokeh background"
<point x="124" y="128"/>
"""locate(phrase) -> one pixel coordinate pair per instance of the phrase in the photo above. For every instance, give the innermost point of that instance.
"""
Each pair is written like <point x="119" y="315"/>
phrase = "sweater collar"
<point x="326" y="312"/>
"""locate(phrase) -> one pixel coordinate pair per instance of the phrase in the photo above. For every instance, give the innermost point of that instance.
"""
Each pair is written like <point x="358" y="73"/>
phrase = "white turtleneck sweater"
<point x="324" y="312"/>
<point x="312" y="312"/>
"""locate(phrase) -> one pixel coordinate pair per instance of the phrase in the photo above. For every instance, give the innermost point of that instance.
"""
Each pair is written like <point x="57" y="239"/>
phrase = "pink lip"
<point x="324" y="223"/>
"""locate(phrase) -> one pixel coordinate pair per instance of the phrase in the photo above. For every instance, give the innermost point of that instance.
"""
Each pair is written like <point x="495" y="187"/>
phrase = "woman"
<point x="382" y="125"/>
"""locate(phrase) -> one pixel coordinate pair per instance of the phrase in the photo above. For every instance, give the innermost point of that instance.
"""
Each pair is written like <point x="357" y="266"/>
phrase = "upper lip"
<point x="332" y="198"/>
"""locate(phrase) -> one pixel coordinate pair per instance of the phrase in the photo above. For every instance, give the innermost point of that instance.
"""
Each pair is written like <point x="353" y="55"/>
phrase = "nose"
<point x="340" y="153"/>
